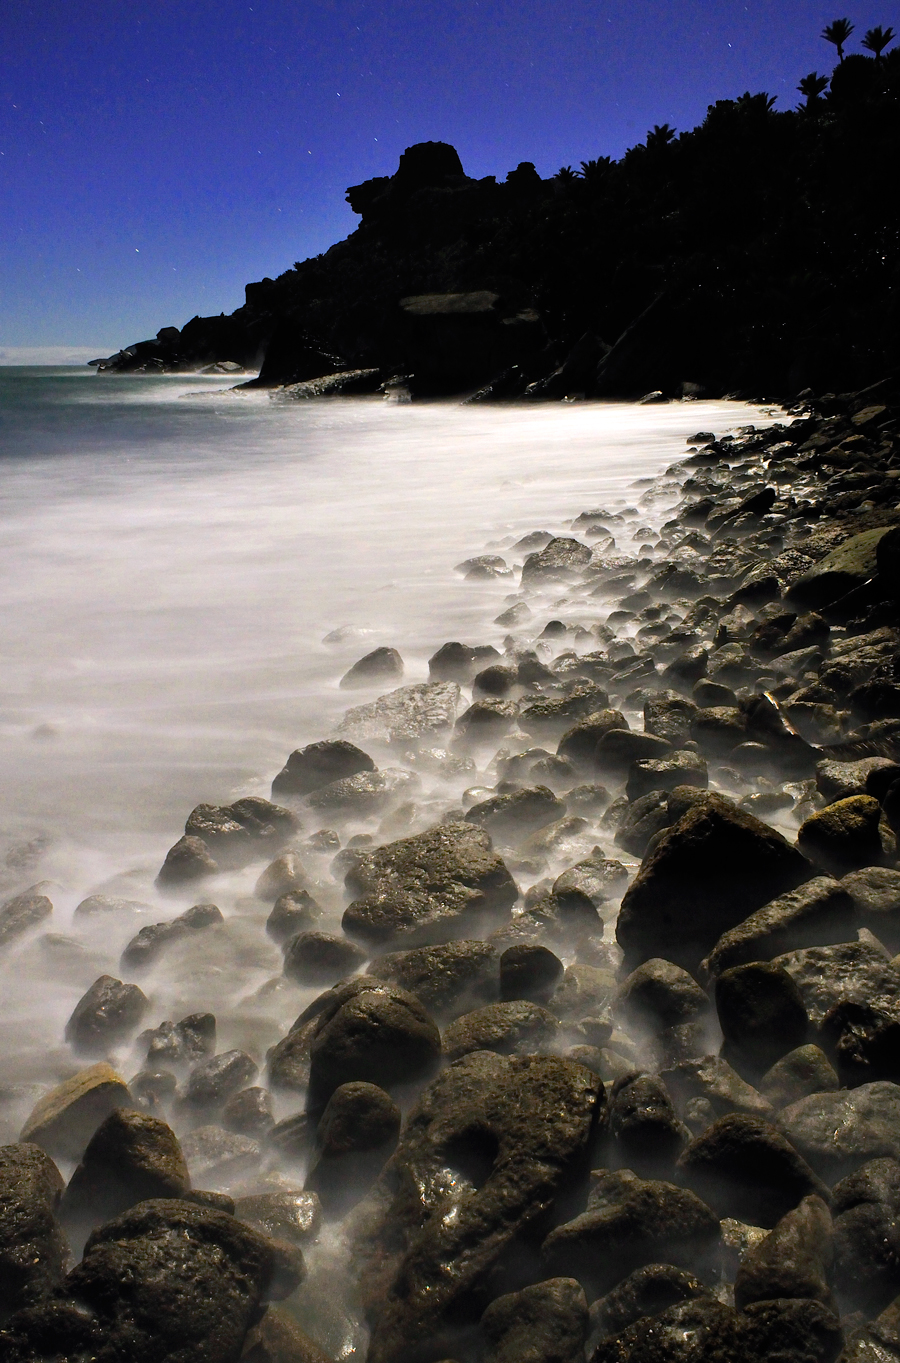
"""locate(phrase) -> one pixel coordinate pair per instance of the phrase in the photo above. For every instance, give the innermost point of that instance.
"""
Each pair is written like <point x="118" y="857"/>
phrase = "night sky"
<point x="155" y="157"/>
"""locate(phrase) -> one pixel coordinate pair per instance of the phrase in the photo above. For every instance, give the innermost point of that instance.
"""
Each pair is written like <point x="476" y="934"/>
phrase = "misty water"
<point x="173" y="557"/>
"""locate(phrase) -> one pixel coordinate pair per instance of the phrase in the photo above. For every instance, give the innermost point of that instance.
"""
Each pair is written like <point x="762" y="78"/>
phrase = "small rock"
<point x="190" y="859"/>
<point x="320" y="958"/>
<point x="846" y="836"/>
<point x="529" y="971"/>
<point x="22" y="912"/>
<point x="794" y="1260"/>
<point x="801" y="1072"/>
<point x="292" y="913"/>
<point x="249" y="1113"/>
<point x="381" y="665"/>
<point x="105" y="1015"/>
<point x="285" y="875"/>
<point x="220" y="1077"/>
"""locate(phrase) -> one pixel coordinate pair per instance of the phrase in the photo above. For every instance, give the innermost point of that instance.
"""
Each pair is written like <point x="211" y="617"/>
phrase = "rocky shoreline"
<point x="600" y="933"/>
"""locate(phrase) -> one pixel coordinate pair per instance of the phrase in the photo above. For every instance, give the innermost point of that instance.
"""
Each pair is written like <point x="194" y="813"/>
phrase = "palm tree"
<point x="758" y="104"/>
<point x="660" y="136"/>
<point x="566" y="174"/>
<point x="594" y="172"/>
<point x="838" y="32"/>
<point x="812" y="86"/>
<point x="877" y="39"/>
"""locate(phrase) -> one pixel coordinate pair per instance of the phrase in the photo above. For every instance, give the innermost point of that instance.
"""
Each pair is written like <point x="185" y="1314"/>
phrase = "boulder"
<point x="819" y="913"/>
<point x="149" y="943"/>
<point x="278" y="1339"/>
<point x="529" y="971"/>
<point x="803" y="1071"/>
<point x="285" y="875"/>
<point x="249" y="1113"/>
<point x="144" y="1311"/>
<point x="660" y="994"/>
<point x="513" y="1131"/>
<point x="292" y="913"/>
<point x="286" y="1214"/>
<point x="544" y="1323"/>
<point x="794" y="1260"/>
<point x="631" y="1222"/>
<point x="65" y="1119"/>
<point x="238" y="832"/>
<point x="711" y="1080"/>
<point x="838" y="1132"/>
<point x="372" y="1032"/>
<point x="708" y="872"/>
<point x="321" y="958"/>
<point x="597" y="876"/>
<point x="644" y="1125"/>
<point x="404" y="716"/>
<point x="851" y="972"/>
<point x="22" y="912"/>
<point x="446" y="978"/>
<point x="866" y="1207"/>
<point x="215" y="1156"/>
<point x="130" y="1158"/>
<point x="435" y="885"/>
<point x="693" y="1331"/>
<point x="761" y="1014"/>
<point x="216" y="1080"/>
<point x="617" y="749"/>
<point x="487" y="720"/>
<point x="188" y="860"/>
<point x="33" y="1251"/>
<point x="367" y="793"/>
<point x="648" y="1291"/>
<point x="679" y="768"/>
<point x="848" y="566"/>
<point x="105" y="1015"/>
<point x="837" y="780"/>
<point x="642" y="821"/>
<point x="453" y="662"/>
<point x="875" y="894"/>
<point x="319" y="764"/>
<point x="745" y="1168"/>
<point x="358" y="1117"/>
<point x="562" y="560"/>
<point x="381" y="665"/>
<point x="846" y="835"/>
<point x="669" y="716"/>
<point x="515" y="1028"/>
<point x="579" y="743"/>
<point x="512" y="816"/>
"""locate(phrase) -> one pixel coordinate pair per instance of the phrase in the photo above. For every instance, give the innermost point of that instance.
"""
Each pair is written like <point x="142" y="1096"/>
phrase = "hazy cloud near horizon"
<point x="52" y="354"/>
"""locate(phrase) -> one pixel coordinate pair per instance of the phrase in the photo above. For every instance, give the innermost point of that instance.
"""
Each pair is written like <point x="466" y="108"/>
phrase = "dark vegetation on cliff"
<point x="756" y="254"/>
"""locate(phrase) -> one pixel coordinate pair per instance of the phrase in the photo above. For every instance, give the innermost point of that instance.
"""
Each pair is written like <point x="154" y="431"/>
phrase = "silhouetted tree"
<point x="838" y="32"/>
<point x="595" y="172"/>
<point x="660" y="136"/>
<point x="756" y="104"/>
<point x="566" y="174"/>
<point x="812" y="86"/>
<point x="877" y="39"/>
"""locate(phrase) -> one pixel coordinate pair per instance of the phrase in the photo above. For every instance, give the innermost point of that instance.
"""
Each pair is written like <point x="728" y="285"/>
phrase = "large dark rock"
<point x="544" y="1323"/>
<point x="562" y="560"/>
<point x="838" y="1132"/>
<point x="436" y="885"/>
<point x="819" y="913"/>
<point x="744" y="1168"/>
<point x="803" y="1071"/>
<point x="514" y="1028"/>
<point x="33" y="1251"/>
<point x="321" y="958"/>
<point x="130" y="1158"/>
<point x="579" y="743"/>
<point x="513" y="816"/>
<point x="406" y="715"/>
<point x="289" y="1214"/>
<point x="221" y="1076"/>
<point x="866" y="1207"/>
<point x="710" y="1080"/>
<point x="238" y="832"/>
<point x="761" y="1014"/>
<point x="449" y="978"/>
<point x="150" y="941"/>
<point x="847" y="835"/>
<point x="648" y="1291"/>
<point x="643" y="1124"/>
<point x="105" y="1015"/>
<point x="680" y="768"/>
<point x="512" y="1132"/>
<point x="698" y="1330"/>
<point x="172" y="1280"/>
<point x="278" y="1339"/>
<point x="669" y="716"/>
<point x="853" y="972"/>
<point x="358" y="1117"/>
<point x="318" y="764"/>
<point x="875" y="894"/>
<point x="529" y="971"/>
<point x="381" y="665"/>
<point x="707" y="873"/>
<point x="189" y="859"/>
<point x="372" y="1032"/>
<point x="599" y="877"/>
<point x="631" y="1222"/>
<point x="848" y="566"/>
<point x="794" y="1260"/>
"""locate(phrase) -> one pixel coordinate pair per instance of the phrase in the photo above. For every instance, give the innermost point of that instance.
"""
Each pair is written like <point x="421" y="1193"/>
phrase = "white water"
<point x="170" y="566"/>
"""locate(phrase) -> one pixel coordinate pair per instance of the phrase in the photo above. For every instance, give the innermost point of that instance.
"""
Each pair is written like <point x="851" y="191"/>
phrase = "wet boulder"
<point x="642" y="821"/>
<point x="818" y="913"/>
<point x="513" y="1131"/>
<point x="369" y="1031"/>
<point x="875" y="894"/>
<point x="453" y="662"/>
<point x="216" y="1156"/>
<point x="529" y="971"/>
<point x="249" y="1113"/>
<point x="321" y="958"/>
<point x="23" y="912"/>
<point x="838" y="1132"/>
<point x="718" y="729"/>
<point x="446" y="978"/>
<point x="544" y="1323"/>
<point x="33" y="1250"/>
<point x="407" y="715"/>
<point x="216" y="1080"/>
<point x="320" y="764"/>
<point x="145" y="1311"/>
<point x="669" y="716"/>
<point x="518" y="1027"/>
<point x="291" y="913"/>
<point x="493" y="682"/>
<point x="848" y="566"/>
<point x="238" y="832"/>
<point x="63" y="1121"/>
<point x="358" y="1117"/>
<point x="599" y="877"/>
<point x="562" y="560"/>
<point x="648" y="1291"/>
<point x="643" y="1125"/>
<point x="847" y="835"/>
<point x="554" y="715"/>
<point x="486" y="720"/>
<point x="579" y="743"/>
<point x="630" y="1222"/>
<point x="130" y="1157"/>
<point x="803" y="1071"/>
<point x="692" y="1331"/>
<point x="708" y="872"/>
<point x="709" y="1080"/>
<point x="866" y="1207"/>
<point x="285" y="875"/>
<point x="149" y="943"/>
<point x="838" y="780"/>
<point x="745" y="1168"/>
<point x="666" y="1005"/>
<point x="680" y="768"/>
<point x="105" y="1015"/>
<point x="279" y="1339"/>
<point x="761" y="1014"/>
<point x="558" y="920"/>
<point x="619" y="748"/>
<point x="381" y="665"/>
<point x="365" y="794"/>
<point x="858" y="973"/>
<point x="513" y="816"/>
<point x="436" y="885"/>
<point x="286" y="1214"/>
<point x="794" y="1260"/>
<point x="189" y="859"/>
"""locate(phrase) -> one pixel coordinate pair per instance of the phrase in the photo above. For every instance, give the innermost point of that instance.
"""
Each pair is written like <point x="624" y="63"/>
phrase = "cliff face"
<point x="757" y="253"/>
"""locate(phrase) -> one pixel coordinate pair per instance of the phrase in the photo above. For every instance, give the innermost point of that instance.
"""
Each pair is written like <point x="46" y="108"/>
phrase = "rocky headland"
<point x="755" y="255"/>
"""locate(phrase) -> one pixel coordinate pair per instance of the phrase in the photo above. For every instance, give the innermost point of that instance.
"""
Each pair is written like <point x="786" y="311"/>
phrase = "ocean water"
<point x="172" y="557"/>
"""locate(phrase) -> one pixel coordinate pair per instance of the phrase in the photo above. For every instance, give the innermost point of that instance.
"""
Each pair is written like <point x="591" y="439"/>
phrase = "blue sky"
<point x="154" y="158"/>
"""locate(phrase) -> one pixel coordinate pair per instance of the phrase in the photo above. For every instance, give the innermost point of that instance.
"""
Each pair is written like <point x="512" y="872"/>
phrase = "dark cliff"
<point x="757" y="253"/>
